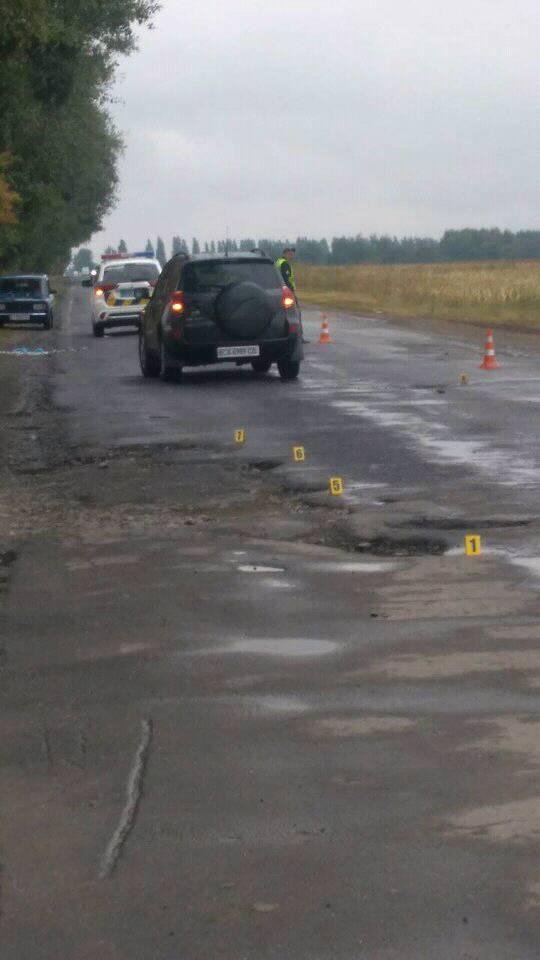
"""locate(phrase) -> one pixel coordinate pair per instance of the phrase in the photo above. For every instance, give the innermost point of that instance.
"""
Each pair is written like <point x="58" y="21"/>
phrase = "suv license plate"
<point x="224" y="353"/>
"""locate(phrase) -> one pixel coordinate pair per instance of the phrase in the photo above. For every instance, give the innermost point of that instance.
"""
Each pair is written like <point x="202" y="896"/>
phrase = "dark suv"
<point x="220" y="309"/>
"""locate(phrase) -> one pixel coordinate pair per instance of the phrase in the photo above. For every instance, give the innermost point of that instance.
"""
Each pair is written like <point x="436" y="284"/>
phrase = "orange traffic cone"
<point x="490" y="361"/>
<point x="325" y="332"/>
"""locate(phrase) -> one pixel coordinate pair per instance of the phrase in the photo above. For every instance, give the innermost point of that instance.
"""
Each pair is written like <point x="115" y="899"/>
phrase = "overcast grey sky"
<point x="327" y="118"/>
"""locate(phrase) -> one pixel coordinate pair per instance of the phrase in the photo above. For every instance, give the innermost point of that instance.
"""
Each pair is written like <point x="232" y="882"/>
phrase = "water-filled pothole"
<point x="461" y="523"/>
<point x="403" y="547"/>
<point x="385" y="546"/>
<point x="263" y="465"/>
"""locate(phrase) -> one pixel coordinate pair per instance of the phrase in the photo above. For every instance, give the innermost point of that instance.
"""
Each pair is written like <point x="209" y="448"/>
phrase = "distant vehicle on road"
<point x="209" y="309"/>
<point x="26" y="298"/>
<point x="121" y="290"/>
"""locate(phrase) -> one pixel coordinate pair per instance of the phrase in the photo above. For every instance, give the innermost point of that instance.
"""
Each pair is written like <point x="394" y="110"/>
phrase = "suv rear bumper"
<point x="270" y="351"/>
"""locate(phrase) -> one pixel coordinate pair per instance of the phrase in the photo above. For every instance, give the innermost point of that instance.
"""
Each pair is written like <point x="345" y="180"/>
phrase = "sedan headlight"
<point x="40" y="307"/>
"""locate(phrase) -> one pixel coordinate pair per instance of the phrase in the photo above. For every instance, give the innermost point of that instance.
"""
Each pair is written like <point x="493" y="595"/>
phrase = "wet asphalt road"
<point x="380" y="405"/>
<point x="231" y="741"/>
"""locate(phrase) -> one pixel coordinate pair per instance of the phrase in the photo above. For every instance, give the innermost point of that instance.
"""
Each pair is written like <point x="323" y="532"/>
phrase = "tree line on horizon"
<point x="454" y="246"/>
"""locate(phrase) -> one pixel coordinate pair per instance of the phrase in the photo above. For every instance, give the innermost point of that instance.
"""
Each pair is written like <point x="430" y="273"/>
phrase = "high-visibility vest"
<point x="279" y="264"/>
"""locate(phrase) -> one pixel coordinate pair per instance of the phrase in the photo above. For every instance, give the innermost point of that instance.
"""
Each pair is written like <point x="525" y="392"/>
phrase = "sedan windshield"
<point x="24" y="287"/>
<point x="125" y="272"/>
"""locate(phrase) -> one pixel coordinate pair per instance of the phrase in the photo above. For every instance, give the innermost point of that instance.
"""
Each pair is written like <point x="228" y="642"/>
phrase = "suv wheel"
<point x="288" y="369"/>
<point x="47" y="324"/>
<point x="98" y="330"/>
<point x="149" y="362"/>
<point x="169" y="371"/>
<point x="261" y="366"/>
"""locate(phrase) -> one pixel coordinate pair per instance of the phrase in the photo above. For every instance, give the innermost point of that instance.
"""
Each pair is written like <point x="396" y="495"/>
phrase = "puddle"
<point x="274" y="583"/>
<point x="337" y="566"/>
<point x="276" y="704"/>
<point x="283" y="647"/>
<point x="506" y="469"/>
<point x="360" y="726"/>
<point x="532" y="564"/>
<point x="256" y="568"/>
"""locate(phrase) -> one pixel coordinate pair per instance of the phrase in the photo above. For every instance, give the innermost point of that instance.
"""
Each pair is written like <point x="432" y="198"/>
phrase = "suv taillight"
<point x="288" y="298"/>
<point x="177" y="304"/>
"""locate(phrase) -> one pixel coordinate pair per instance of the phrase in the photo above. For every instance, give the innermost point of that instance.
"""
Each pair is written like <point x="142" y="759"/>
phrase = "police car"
<point x="122" y="288"/>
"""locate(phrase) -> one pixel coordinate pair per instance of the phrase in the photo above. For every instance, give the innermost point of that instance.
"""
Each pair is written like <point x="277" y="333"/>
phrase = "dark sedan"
<point x="26" y="298"/>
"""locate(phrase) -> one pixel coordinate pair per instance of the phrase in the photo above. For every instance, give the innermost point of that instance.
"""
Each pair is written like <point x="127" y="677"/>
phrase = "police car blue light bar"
<point x="143" y="253"/>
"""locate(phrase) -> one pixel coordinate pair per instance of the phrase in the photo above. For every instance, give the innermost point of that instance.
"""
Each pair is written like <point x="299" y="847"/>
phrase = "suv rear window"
<point x="20" y="287"/>
<point x="124" y="272"/>
<point x="204" y="276"/>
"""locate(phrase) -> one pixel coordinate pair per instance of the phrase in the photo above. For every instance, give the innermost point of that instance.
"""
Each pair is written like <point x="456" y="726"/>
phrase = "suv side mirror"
<point x="88" y="282"/>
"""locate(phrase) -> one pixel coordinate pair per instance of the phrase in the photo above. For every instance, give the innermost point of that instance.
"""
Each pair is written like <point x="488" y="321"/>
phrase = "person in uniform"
<point x="285" y="267"/>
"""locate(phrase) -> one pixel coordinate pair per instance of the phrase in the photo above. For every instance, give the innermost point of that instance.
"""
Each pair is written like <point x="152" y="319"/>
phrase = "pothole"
<point x="406" y="547"/>
<point x="7" y="558"/>
<point x="263" y="465"/>
<point x="384" y="546"/>
<point x="461" y="523"/>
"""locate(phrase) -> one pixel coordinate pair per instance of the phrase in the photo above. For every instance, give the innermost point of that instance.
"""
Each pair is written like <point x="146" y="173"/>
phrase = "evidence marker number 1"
<point x="239" y="436"/>
<point x="473" y="545"/>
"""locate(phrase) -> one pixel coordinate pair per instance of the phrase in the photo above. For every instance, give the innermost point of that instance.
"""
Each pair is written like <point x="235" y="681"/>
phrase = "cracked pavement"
<point x="340" y="756"/>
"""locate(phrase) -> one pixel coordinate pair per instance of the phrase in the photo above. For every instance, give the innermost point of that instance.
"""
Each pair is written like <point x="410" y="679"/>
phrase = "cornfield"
<point x="500" y="292"/>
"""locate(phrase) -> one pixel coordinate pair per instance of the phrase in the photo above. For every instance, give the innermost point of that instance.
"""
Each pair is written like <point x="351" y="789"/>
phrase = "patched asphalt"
<point x="244" y="718"/>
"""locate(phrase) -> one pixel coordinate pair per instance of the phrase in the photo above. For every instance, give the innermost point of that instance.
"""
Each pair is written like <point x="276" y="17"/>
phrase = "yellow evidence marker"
<point x="239" y="436"/>
<point x="299" y="454"/>
<point x="473" y="545"/>
<point x="336" y="486"/>
<point x="464" y="379"/>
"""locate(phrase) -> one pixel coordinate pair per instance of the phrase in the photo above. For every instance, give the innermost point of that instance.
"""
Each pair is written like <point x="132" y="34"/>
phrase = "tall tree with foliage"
<point x="83" y="258"/>
<point x="122" y="247"/>
<point x="195" y="248"/>
<point x="57" y="60"/>
<point x="160" y="252"/>
<point x="149" y="248"/>
<point x="9" y="200"/>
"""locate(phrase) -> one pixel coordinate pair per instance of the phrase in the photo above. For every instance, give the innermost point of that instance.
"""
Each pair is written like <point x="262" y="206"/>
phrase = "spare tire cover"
<point x="243" y="310"/>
